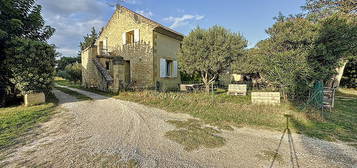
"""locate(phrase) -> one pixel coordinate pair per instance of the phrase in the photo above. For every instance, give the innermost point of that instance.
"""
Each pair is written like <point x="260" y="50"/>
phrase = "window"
<point x="169" y="68"/>
<point x="107" y="65"/>
<point x="130" y="37"/>
<point x="103" y="46"/>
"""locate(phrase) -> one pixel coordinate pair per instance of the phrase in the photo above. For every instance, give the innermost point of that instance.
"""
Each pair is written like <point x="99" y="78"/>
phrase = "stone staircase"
<point x="104" y="73"/>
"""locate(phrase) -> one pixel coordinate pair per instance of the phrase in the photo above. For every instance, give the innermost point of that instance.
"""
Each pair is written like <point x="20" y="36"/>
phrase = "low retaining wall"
<point x="266" y="98"/>
<point x="34" y="99"/>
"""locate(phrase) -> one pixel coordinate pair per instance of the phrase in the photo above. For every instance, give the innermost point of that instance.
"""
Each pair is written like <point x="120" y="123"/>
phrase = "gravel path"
<point x="107" y="132"/>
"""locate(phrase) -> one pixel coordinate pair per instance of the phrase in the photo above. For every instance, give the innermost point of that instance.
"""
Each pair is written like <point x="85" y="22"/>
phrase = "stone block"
<point x="237" y="89"/>
<point x="266" y="98"/>
<point x="34" y="99"/>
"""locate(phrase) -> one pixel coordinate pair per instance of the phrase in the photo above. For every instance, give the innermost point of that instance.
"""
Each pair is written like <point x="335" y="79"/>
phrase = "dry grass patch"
<point x="192" y="134"/>
<point x="220" y="110"/>
<point x="224" y="111"/>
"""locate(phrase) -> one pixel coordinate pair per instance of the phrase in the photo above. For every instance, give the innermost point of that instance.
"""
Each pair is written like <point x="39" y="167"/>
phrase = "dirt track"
<point x="114" y="133"/>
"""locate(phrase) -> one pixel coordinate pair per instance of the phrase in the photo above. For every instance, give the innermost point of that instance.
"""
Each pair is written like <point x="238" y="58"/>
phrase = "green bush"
<point x="72" y="72"/>
<point x="32" y="65"/>
<point x="63" y="74"/>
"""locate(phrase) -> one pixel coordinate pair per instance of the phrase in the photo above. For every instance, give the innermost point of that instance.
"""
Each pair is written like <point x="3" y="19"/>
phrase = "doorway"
<point x="127" y="72"/>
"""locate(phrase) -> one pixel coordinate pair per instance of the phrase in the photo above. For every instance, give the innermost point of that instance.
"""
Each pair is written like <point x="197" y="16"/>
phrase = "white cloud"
<point x="67" y="51"/>
<point x="68" y="7"/>
<point x="183" y="20"/>
<point x="72" y="20"/>
<point x="146" y="13"/>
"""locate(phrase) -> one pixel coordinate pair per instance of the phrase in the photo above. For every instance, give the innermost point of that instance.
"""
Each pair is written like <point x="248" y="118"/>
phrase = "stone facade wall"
<point x="266" y="98"/>
<point x="143" y="57"/>
<point x="166" y="48"/>
<point x="141" y="63"/>
<point x="88" y="80"/>
<point x="91" y="77"/>
<point x="139" y="54"/>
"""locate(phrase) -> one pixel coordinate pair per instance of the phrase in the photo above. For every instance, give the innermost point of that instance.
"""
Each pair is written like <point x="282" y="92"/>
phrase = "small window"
<point x="169" y="68"/>
<point x="130" y="37"/>
<point x="107" y="65"/>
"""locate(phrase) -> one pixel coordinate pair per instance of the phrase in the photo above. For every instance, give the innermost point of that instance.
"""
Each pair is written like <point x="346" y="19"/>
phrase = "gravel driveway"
<point x="107" y="132"/>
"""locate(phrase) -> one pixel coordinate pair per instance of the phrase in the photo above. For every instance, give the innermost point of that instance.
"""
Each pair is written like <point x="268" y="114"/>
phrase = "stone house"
<point x="132" y="51"/>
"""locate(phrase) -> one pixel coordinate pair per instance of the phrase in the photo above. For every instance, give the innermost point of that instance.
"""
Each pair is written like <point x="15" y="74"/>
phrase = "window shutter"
<point x="105" y="44"/>
<point x="175" y="69"/>
<point x="162" y="68"/>
<point x="136" y="35"/>
<point x="123" y="36"/>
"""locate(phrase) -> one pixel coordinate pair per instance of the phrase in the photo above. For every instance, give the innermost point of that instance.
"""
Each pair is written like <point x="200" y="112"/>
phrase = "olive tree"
<point x="210" y="52"/>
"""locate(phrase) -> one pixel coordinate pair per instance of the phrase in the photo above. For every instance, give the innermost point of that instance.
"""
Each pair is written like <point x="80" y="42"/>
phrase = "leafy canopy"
<point x="210" y="52"/>
<point x="64" y="61"/>
<point x="27" y="61"/>
<point x="31" y="65"/>
<point x="89" y="39"/>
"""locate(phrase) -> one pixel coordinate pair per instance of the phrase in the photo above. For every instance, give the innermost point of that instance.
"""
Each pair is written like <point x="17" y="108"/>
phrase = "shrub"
<point x="73" y="72"/>
<point x="32" y="65"/>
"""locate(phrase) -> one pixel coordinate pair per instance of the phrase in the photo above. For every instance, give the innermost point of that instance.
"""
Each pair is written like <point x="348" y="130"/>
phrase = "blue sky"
<point x="74" y="18"/>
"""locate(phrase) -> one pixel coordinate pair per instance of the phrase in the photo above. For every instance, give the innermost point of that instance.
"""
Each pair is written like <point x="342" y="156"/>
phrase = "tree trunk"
<point x="206" y="82"/>
<point x="340" y="71"/>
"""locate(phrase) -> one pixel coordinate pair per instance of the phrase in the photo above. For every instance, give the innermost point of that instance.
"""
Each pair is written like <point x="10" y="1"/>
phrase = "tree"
<point x="210" y="52"/>
<point x="339" y="14"/>
<point x="64" y="61"/>
<point x="324" y="8"/>
<point x="89" y="39"/>
<point x="282" y="59"/>
<point x="20" y="23"/>
<point x="335" y="44"/>
<point x="31" y="65"/>
<point x="74" y="72"/>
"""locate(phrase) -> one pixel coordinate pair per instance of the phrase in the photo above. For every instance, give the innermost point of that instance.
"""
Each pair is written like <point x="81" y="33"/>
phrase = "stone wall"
<point x="141" y="63"/>
<point x="91" y="77"/>
<point x="140" y="54"/>
<point x="266" y="98"/>
<point x="88" y="79"/>
<point x="124" y="21"/>
<point x="143" y="57"/>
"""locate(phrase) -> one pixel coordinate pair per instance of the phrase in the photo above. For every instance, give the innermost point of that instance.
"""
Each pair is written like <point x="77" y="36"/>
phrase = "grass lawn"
<point x="16" y="121"/>
<point x="226" y="111"/>
<point x="73" y="93"/>
<point x="339" y="124"/>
